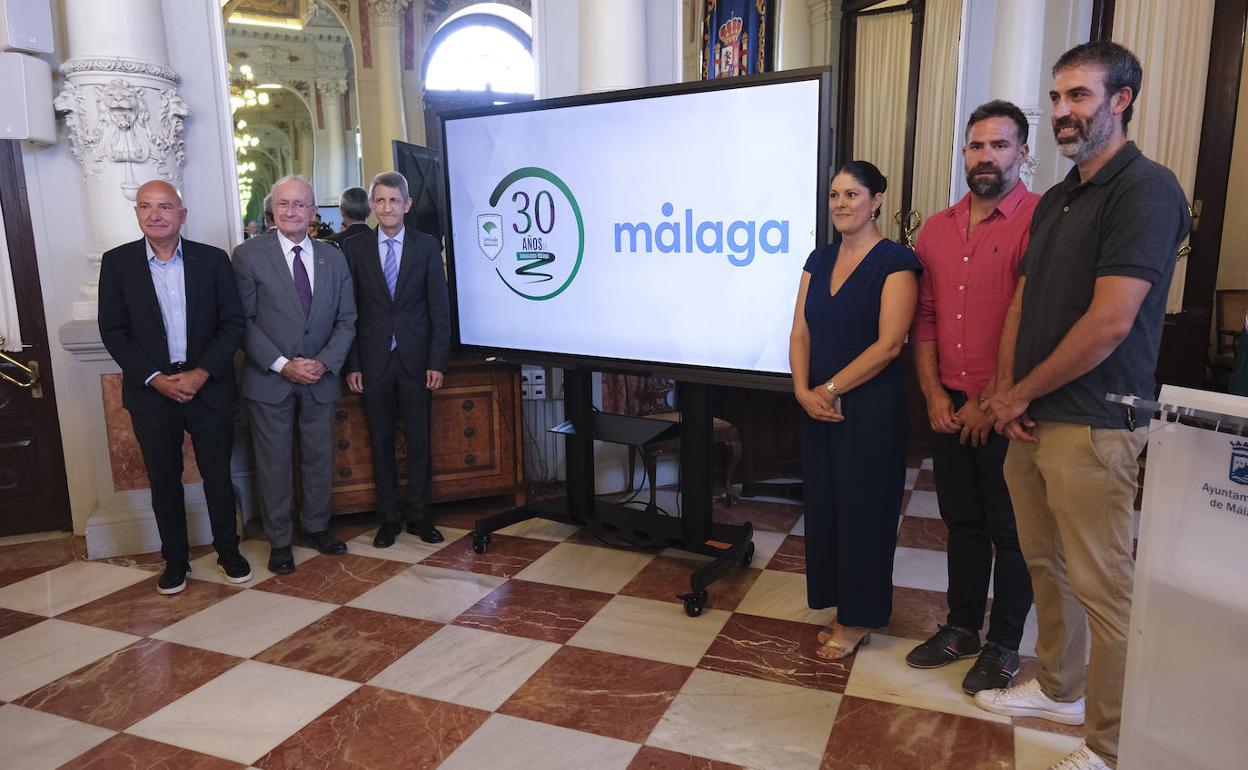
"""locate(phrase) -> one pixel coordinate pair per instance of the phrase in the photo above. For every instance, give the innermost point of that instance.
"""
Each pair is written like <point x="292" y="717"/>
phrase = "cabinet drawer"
<point x="464" y="436"/>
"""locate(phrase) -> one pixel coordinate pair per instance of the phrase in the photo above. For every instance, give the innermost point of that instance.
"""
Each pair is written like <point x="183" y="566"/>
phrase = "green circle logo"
<point x="539" y="226"/>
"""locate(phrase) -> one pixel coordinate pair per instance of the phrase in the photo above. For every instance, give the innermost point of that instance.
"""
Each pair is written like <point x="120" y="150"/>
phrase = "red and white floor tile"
<point x="552" y="650"/>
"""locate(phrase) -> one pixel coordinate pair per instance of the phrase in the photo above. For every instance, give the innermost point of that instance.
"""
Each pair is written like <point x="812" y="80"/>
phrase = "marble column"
<point x="1017" y="57"/>
<point x="825" y="32"/>
<point x="332" y="91"/>
<point x="793" y="42"/>
<point x="612" y="45"/>
<point x="386" y="18"/>
<point x="305" y="143"/>
<point x="123" y="117"/>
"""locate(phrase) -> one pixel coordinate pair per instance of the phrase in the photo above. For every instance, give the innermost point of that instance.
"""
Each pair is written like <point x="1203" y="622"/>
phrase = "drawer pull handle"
<point x="341" y="415"/>
<point x="344" y="472"/>
<point x="468" y="405"/>
<point x="344" y="444"/>
<point x="470" y="431"/>
<point x="470" y="459"/>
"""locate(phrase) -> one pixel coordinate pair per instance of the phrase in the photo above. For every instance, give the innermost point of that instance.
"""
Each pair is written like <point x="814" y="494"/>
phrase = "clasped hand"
<point x="304" y="371"/>
<point x="971" y="423"/>
<point x="820" y="404"/>
<point x="180" y="387"/>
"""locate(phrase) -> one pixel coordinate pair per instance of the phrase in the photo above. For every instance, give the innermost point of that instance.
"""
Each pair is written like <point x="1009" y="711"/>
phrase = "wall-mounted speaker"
<point x="26" y="25"/>
<point x="26" y="93"/>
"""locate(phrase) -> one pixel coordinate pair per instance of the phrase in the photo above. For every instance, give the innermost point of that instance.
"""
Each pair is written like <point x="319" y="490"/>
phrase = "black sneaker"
<point x="996" y="668"/>
<point x="946" y="645"/>
<point x="235" y="567"/>
<point x="173" y="579"/>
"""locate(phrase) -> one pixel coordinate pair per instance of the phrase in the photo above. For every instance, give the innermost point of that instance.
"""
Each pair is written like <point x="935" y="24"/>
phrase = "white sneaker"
<point x="1081" y="758"/>
<point x="1028" y="700"/>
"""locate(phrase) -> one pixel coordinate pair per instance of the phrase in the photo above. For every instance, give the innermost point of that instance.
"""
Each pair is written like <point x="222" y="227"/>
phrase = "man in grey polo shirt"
<point x="1085" y="321"/>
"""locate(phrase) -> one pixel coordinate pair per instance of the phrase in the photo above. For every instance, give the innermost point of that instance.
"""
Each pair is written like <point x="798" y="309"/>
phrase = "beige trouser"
<point x="1073" y="495"/>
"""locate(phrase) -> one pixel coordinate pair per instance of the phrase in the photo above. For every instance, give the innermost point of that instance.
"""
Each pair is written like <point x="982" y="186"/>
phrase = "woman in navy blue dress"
<point x="853" y="311"/>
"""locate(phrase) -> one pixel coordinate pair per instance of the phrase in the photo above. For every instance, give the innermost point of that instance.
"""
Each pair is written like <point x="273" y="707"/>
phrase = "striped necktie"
<point x="391" y="267"/>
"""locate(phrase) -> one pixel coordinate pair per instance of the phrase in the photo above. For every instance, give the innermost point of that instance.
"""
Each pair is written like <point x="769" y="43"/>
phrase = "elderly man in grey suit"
<point x="299" y="305"/>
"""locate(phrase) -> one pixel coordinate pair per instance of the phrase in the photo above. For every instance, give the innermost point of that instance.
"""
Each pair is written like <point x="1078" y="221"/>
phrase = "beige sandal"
<point x="837" y="651"/>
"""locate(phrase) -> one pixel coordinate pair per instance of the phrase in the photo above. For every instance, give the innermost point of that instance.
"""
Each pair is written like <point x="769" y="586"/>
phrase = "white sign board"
<point x="1187" y="671"/>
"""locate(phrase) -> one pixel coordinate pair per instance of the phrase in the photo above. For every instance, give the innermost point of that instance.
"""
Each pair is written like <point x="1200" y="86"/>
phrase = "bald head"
<point x="161" y="185"/>
<point x="160" y="212"/>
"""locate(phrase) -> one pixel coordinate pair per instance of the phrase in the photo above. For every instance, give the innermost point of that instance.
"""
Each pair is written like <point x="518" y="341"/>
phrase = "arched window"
<point x="487" y="46"/>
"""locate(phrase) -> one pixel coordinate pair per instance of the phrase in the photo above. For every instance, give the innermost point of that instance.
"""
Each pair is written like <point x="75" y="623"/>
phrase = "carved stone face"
<point x="122" y="103"/>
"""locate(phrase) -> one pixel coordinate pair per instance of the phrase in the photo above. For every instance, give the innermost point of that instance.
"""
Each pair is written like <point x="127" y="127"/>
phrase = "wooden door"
<point x="33" y="492"/>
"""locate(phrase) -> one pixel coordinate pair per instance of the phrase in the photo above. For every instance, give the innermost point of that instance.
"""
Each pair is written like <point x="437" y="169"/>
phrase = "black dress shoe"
<point x="281" y="561"/>
<point x="327" y="543"/>
<point x="424" y="529"/>
<point x="386" y="534"/>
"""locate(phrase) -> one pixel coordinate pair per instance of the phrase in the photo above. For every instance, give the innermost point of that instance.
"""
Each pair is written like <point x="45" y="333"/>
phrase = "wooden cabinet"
<point x="475" y="437"/>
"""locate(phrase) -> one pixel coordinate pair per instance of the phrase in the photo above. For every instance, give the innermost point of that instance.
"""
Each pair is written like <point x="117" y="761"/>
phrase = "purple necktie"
<point x="303" y="287"/>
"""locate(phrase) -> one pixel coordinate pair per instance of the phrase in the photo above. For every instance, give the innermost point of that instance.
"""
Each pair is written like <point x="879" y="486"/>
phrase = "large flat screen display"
<point x="668" y="227"/>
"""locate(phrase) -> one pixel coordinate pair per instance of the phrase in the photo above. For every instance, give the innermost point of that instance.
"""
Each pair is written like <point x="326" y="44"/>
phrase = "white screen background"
<point x="748" y="153"/>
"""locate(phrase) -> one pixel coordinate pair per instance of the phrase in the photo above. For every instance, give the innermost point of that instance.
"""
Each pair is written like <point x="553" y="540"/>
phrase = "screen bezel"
<point x="688" y="372"/>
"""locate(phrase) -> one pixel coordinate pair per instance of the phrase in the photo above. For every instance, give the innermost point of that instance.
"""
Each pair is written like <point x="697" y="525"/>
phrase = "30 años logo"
<point x="539" y="221"/>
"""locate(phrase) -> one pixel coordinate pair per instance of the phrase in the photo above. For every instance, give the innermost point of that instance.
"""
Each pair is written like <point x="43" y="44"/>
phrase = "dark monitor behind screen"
<point x="422" y="168"/>
<point x="661" y="229"/>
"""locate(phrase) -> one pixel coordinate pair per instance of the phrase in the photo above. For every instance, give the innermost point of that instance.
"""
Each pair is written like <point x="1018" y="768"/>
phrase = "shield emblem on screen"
<point x="490" y="234"/>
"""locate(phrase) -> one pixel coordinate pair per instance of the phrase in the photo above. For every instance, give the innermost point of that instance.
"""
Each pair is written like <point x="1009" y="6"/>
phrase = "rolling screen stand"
<point x="693" y="530"/>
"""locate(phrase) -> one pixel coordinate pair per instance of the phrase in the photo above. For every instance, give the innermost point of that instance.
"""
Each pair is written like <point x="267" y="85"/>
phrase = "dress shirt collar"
<point x="287" y="244"/>
<point x="398" y="239"/>
<point x="151" y="252"/>
<point x="1005" y="207"/>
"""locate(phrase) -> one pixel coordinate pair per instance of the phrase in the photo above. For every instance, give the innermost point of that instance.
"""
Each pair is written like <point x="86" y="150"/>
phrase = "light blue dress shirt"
<point x="169" y="279"/>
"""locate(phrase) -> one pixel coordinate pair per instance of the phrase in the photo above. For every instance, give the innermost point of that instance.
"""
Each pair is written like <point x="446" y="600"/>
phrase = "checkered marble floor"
<point x="550" y="651"/>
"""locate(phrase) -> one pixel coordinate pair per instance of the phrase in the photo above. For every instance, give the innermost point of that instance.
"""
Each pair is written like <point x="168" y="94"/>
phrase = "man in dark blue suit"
<point x="170" y="316"/>
<point x="400" y="353"/>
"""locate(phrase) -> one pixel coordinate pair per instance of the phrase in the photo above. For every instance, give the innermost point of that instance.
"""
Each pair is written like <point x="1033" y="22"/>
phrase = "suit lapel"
<point x="322" y="282"/>
<point x="406" y="264"/>
<point x="193" y="278"/>
<point x="148" y="284"/>
<point x="277" y="261"/>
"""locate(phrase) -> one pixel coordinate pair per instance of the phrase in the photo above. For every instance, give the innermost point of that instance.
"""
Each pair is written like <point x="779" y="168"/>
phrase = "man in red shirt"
<point x="970" y="254"/>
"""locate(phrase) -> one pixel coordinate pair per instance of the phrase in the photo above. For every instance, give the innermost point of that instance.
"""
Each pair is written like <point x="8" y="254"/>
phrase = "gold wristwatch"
<point x="831" y="388"/>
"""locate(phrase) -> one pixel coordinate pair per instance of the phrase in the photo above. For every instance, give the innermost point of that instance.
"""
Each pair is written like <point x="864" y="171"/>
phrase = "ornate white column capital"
<point x="123" y="111"/>
<point x="387" y="13"/>
<point x="331" y="87"/>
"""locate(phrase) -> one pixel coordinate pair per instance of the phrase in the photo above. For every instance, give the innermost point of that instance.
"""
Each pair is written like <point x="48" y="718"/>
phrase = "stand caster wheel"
<point x="694" y="602"/>
<point x="748" y="556"/>
<point x="480" y="542"/>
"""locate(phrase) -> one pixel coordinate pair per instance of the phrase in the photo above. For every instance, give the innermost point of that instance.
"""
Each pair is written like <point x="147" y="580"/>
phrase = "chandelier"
<point x="243" y="93"/>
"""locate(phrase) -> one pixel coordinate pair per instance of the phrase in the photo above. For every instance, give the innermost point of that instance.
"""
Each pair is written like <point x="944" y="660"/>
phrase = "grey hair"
<point x="295" y="178"/>
<point x="353" y="203"/>
<point x="389" y="179"/>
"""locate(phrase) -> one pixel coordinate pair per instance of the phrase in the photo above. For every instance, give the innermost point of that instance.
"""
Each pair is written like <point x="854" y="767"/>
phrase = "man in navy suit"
<point x="170" y="316"/>
<point x="400" y="351"/>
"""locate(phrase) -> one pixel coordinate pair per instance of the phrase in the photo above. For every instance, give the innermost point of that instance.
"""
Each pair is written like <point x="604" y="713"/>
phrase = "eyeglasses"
<point x="292" y="205"/>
